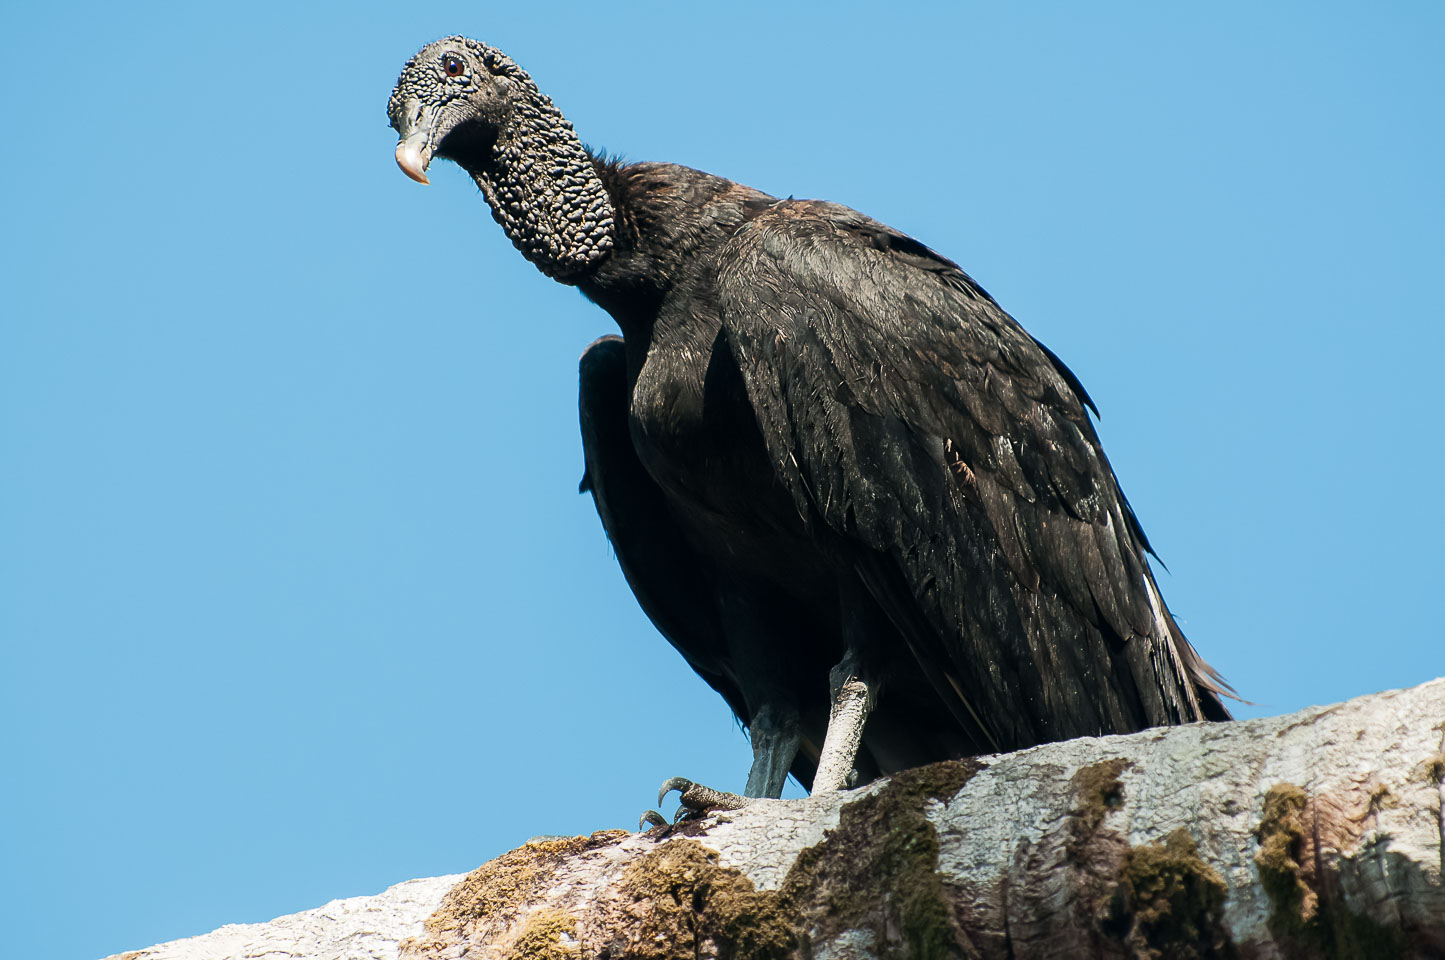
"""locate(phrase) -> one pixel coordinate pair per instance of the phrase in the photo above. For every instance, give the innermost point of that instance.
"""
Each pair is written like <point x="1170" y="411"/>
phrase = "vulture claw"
<point x="681" y="784"/>
<point x="698" y="799"/>
<point x="651" y="819"/>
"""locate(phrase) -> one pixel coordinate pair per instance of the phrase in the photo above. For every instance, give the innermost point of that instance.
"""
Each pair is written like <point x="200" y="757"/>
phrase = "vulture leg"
<point x="852" y="702"/>
<point x="659" y="564"/>
<point x="775" y="735"/>
<point x="755" y="621"/>
<point x="775" y="728"/>
<point x="853" y="691"/>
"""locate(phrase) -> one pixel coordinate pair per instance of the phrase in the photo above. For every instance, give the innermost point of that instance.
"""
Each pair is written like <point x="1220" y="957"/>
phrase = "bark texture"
<point x="1317" y="834"/>
<point x="356" y="928"/>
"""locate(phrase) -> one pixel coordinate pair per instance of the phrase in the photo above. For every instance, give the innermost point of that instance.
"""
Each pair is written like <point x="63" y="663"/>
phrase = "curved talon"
<point x="681" y="784"/>
<point x="698" y="800"/>
<point x="651" y="819"/>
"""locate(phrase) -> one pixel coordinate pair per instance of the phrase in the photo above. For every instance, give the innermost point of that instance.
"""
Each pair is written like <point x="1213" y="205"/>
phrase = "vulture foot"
<point x="697" y="801"/>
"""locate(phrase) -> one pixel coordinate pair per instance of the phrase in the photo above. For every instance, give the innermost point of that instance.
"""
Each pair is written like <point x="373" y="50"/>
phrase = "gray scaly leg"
<point x="852" y="702"/>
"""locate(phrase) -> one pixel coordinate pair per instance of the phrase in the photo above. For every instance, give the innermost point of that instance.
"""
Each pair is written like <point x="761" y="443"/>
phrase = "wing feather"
<point x="907" y="412"/>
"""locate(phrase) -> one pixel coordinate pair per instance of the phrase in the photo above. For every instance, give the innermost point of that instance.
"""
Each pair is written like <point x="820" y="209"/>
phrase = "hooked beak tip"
<point x="412" y="156"/>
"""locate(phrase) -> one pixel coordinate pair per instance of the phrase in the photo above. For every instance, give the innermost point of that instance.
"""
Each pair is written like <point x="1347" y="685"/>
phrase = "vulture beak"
<point x="413" y="153"/>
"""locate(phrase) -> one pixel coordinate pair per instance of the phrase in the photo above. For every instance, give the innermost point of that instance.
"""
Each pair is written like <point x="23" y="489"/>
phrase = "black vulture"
<point x="839" y="478"/>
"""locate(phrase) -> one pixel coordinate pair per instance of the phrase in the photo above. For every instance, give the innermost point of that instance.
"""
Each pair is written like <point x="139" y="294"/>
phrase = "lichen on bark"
<point x="679" y="902"/>
<point x="1169" y="903"/>
<point x="1097" y="790"/>
<point x="876" y="872"/>
<point x="547" y="935"/>
<point x="878" y="869"/>
<point x="1033" y="858"/>
<point x="1307" y="918"/>
<point x="490" y="897"/>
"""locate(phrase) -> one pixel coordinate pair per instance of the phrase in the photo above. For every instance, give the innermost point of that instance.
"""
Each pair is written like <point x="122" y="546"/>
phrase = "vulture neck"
<point x="622" y="233"/>
<point x="540" y="183"/>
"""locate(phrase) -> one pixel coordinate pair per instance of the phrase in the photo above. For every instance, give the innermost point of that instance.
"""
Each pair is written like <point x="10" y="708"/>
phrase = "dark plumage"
<point x="830" y="464"/>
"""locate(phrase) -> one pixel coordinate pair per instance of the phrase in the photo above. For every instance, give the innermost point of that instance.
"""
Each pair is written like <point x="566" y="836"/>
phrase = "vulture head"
<point x="470" y="103"/>
<point x="451" y="100"/>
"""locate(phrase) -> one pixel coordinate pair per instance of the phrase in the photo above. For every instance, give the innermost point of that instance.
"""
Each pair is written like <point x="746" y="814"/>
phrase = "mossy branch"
<point x="1317" y="834"/>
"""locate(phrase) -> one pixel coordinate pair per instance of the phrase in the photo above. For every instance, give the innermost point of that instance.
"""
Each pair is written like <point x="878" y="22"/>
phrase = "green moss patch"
<point x="685" y="901"/>
<point x="491" y="896"/>
<point x="547" y="935"/>
<point x="884" y="843"/>
<point x="1281" y="838"/>
<point x="1097" y="791"/>
<point x="1308" y="919"/>
<point x="877" y="871"/>
<point x="1433" y="768"/>
<point x="1169" y="903"/>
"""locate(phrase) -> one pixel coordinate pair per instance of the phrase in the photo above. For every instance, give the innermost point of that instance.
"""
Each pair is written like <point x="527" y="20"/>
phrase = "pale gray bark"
<point x="357" y="928"/>
<point x="1314" y="834"/>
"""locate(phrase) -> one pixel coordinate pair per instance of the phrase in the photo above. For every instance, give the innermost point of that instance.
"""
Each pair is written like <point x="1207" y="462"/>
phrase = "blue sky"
<point x="297" y="595"/>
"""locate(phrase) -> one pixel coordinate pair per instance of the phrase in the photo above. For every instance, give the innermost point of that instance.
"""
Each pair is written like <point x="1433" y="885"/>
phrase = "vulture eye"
<point x="453" y="66"/>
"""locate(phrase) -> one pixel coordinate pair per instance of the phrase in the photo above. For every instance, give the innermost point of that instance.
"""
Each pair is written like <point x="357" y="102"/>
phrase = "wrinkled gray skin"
<point x="541" y="187"/>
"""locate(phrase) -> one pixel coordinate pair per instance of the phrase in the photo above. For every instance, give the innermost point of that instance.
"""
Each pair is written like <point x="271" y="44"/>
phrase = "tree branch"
<point x="1317" y="834"/>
